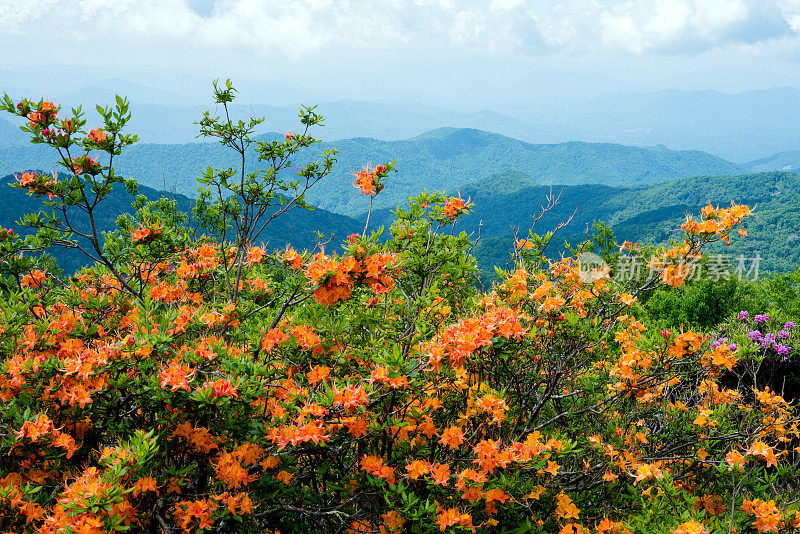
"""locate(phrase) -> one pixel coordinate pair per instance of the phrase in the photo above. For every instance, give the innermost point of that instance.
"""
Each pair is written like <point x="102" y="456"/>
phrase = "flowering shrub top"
<point x="377" y="390"/>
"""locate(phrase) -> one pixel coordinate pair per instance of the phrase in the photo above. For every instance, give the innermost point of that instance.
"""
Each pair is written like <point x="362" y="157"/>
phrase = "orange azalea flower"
<point x="552" y="468"/>
<point x="440" y="474"/>
<point x="536" y="493"/>
<point x="274" y="337"/>
<point x="305" y="336"/>
<point x="768" y="516"/>
<point x="491" y="404"/>
<point x="417" y="468"/>
<point x="454" y="207"/>
<point x="357" y="426"/>
<point x="255" y="255"/>
<point x="607" y="526"/>
<point x="565" y="508"/>
<point x="318" y="373"/>
<point x="571" y="528"/>
<point x="292" y="258"/>
<point x="198" y="512"/>
<point x="206" y="252"/>
<point x="84" y="164"/>
<point x="393" y="522"/>
<point x="144" y="234"/>
<point x="220" y="388"/>
<point x="33" y="430"/>
<point x="144" y="485"/>
<point x="645" y="472"/>
<point x="98" y="136"/>
<point x="690" y="527"/>
<point x="496" y="495"/>
<point x="176" y="375"/>
<point x="285" y="477"/>
<point x="67" y="442"/>
<point x="27" y="178"/>
<point x="723" y="357"/>
<point x="452" y="516"/>
<point x="551" y="304"/>
<point x="759" y="448"/>
<point x="375" y="466"/>
<point x="734" y="459"/>
<point x="350" y="397"/>
<point x="674" y="275"/>
<point x="33" y="279"/>
<point x="452" y="437"/>
<point x="367" y="180"/>
<point x="230" y="471"/>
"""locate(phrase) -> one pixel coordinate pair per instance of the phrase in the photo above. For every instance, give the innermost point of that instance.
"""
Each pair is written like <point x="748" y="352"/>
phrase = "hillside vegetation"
<point x="508" y="200"/>
<point x="445" y="158"/>
<point x="640" y="214"/>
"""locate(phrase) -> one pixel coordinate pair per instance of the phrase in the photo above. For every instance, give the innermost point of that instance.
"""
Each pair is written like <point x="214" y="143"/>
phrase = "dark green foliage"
<point x="643" y="214"/>
<point x="702" y="304"/>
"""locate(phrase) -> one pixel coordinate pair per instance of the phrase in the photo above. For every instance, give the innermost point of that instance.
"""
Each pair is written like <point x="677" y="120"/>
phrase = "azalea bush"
<point x="203" y="384"/>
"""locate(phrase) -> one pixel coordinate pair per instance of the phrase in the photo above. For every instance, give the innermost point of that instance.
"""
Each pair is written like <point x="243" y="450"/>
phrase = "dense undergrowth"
<point x="195" y="382"/>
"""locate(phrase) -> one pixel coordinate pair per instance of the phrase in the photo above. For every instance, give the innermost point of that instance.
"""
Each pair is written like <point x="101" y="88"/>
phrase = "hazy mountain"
<point x="439" y="159"/>
<point x="11" y="135"/>
<point x="788" y="160"/>
<point x="160" y="116"/>
<point x="105" y="90"/>
<point x="736" y="126"/>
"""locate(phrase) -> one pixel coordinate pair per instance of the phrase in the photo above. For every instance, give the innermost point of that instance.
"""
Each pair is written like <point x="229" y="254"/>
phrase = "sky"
<point x="467" y="54"/>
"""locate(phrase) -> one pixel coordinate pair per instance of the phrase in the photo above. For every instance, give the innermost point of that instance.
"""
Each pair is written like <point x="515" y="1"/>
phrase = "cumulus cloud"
<point x="303" y="27"/>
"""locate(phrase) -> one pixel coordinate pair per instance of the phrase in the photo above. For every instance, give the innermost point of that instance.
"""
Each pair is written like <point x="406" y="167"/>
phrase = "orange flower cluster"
<point x="27" y="179"/>
<point x="493" y="405"/>
<point x="43" y="428"/>
<point x="768" y="516"/>
<point x="452" y="517"/>
<point x="454" y="207"/>
<point x="98" y="136"/>
<point x="375" y="466"/>
<point x="34" y="278"/>
<point x="38" y="184"/>
<point x="368" y="180"/>
<point x="717" y="222"/>
<point x="335" y="280"/>
<point x="232" y="467"/>
<point x="85" y="165"/>
<point x="200" y="438"/>
<point x="461" y="340"/>
<point x="255" y="255"/>
<point x="144" y="235"/>
<point x="380" y="375"/>
<point x="46" y="113"/>
<point x="176" y="376"/>
<point x="691" y="527"/>
<point x="219" y="388"/>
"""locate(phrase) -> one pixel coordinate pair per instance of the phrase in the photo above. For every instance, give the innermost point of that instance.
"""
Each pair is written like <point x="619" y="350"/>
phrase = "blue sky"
<point x="434" y="51"/>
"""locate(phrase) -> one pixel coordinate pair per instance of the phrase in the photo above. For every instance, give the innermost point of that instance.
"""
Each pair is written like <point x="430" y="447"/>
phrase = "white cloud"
<point x="303" y="27"/>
